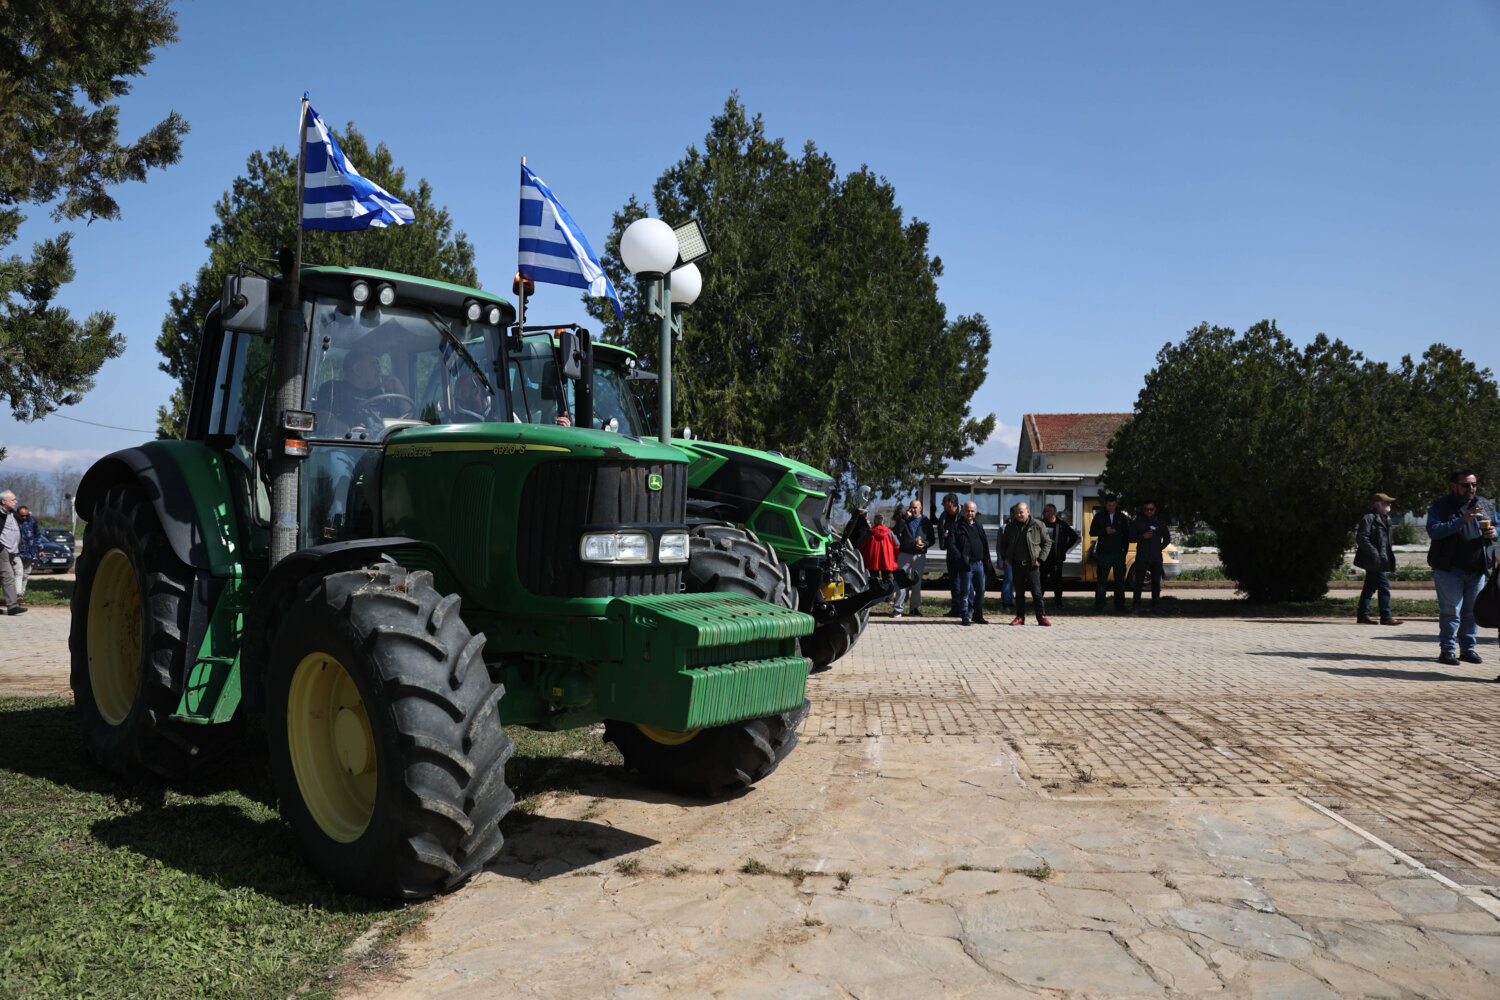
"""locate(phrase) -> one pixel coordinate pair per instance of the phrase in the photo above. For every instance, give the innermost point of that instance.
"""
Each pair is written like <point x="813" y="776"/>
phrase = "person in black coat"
<point x="950" y="516"/>
<point x="969" y="560"/>
<point x="1374" y="555"/>
<point x="1063" y="539"/>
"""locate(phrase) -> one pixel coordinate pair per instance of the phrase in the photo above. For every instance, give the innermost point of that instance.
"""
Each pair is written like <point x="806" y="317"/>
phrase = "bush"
<point x="1204" y="573"/>
<point x="1201" y="538"/>
<point x="1408" y="534"/>
<point x="1412" y="573"/>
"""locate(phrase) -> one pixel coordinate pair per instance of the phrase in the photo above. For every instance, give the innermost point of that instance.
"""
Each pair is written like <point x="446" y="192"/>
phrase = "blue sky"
<point x="1098" y="177"/>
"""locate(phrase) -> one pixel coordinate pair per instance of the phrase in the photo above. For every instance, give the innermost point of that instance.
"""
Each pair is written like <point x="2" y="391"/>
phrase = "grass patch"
<point x="194" y="890"/>
<point x="550" y="763"/>
<point x="48" y="590"/>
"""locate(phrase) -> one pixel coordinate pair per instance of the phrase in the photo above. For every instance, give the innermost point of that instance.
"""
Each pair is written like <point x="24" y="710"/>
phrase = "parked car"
<point x="60" y="535"/>
<point x="54" y="556"/>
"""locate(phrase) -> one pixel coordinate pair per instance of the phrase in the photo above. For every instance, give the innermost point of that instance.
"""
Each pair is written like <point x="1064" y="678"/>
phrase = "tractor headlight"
<point x="615" y="547"/>
<point x="673" y="547"/>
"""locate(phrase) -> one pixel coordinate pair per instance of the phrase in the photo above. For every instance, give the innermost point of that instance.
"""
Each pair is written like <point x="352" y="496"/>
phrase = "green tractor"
<point x="344" y="546"/>
<point x="760" y="522"/>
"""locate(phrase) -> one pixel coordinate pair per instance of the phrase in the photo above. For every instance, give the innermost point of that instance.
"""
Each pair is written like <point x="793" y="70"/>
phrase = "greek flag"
<point x="335" y="196"/>
<point x="553" y="249"/>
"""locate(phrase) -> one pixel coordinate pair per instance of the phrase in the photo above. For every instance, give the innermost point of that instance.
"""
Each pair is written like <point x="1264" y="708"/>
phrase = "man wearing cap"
<point x="1374" y="555"/>
<point x="1462" y="528"/>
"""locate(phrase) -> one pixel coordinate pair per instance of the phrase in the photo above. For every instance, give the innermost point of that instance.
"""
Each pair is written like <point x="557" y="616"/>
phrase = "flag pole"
<point x="521" y="290"/>
<point x="286" y="470"/>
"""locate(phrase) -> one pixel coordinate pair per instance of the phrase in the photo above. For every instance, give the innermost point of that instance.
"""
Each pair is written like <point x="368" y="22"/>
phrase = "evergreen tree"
<point x="257" y="218"/>
<point x="1279" y="450"/>
<point x="62" y="65"/>
<point x="818" y="333"/>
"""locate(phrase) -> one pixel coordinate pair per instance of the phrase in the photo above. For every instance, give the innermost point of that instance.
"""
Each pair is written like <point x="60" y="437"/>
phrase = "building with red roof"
<point x="1067" y="443"/>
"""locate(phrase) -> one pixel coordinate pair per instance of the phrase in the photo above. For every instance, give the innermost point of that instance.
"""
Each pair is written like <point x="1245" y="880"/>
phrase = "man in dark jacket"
<point x="914" y="536"/>
<point x="950" y="516"/>
<point x="1151" y="537"/>
<point x="1025" y="546"/>
<point x="968" y="561"/>
<point x="1111" y="532"/>
<point x="1374" y="555"/>
<point x="1462" y="528"/>
<point x="1063" y="538"/>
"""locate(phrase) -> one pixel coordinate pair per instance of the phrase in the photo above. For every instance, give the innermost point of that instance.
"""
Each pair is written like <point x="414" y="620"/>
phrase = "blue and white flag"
<point x="553" y="249"/>
<point x="335" y="196"/>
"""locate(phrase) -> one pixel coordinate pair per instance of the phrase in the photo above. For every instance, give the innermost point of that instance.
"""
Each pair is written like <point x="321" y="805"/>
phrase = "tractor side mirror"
<point x="570" y="355"/>
<point x="245" y="306"/>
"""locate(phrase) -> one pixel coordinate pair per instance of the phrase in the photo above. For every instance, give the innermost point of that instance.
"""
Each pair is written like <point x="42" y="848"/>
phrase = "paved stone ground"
<point x="1112" y="807"/>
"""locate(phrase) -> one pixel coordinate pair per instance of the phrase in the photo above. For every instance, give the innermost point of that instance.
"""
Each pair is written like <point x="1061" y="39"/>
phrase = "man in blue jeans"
<point x="968" y="561"/>
<point x="1462" y="528"/>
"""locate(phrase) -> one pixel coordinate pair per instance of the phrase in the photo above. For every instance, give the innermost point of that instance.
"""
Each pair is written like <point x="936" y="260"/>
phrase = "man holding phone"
<point x="1462" y="528"/>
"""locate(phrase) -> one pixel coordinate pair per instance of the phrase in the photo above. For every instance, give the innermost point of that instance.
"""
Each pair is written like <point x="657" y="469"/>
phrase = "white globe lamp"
<point x="648" y="247"/>
<point x="687" y="284"/>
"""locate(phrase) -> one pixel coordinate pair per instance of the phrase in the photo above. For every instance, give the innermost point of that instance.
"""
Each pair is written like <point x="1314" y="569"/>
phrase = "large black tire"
<point x="131" y="607"/>
<point x="707" y="762"/>
<point x="385" y="735"/>
<point x="724" y="560"/>
<point x="729" y="560"/>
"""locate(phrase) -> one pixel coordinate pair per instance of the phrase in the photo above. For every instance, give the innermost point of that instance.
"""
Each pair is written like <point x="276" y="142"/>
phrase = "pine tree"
<point x="818" y="333"/>
<point x="63" y="63"/>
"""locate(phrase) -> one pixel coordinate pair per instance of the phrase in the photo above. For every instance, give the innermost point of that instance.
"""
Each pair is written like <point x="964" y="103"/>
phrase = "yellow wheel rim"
<point x="114" y="632"/>
<point x="667" y="737"/>
<point x="332" y="747"/>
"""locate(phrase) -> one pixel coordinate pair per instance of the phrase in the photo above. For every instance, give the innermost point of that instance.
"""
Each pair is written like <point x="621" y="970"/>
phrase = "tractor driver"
<point x="471" y="401"/>
<point x="343" y="404"/>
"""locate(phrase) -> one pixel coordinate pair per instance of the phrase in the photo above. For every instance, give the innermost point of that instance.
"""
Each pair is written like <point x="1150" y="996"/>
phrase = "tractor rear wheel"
<point x="723" y="560"/>
<point x="131" y="607"/>
<point x="708" y="762"/>
<point x="385" y="735"/>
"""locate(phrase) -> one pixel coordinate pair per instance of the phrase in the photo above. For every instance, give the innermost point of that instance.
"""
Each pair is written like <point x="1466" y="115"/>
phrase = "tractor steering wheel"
<point x="408" y="405"/>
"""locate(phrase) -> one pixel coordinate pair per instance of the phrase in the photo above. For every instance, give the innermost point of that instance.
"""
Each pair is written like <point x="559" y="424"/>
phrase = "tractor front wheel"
<point x="131" y="607"/>
<point x="709" y="762"/>
<point x="385" y="735"/>
<point x="723" y="560"/>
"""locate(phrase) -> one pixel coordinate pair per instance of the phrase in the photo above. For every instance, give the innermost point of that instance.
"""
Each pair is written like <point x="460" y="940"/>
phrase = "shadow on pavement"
<point x="542" y="847"/>
<point x="1326" y="655"/>
<point x="1400" y="675"/>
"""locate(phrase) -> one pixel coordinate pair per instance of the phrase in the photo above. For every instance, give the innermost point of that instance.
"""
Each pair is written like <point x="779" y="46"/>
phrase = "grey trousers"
<point x="915" y="563"/>
<point x="8" y="580"/>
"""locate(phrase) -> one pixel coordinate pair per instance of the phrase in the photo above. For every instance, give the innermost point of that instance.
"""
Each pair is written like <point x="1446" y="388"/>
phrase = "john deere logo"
<point x="653" y="482"/>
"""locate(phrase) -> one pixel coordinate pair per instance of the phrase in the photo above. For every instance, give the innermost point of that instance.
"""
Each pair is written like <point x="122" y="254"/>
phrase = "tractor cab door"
<point x="232" y="412"/>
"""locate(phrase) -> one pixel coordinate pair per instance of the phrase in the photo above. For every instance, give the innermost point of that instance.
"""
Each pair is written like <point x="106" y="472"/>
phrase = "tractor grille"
<point x="560" y="497"/>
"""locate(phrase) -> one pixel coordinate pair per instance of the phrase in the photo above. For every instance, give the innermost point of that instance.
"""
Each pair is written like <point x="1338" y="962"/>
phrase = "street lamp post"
<point x="72" y="510"/>
<point x="653" y="250"/>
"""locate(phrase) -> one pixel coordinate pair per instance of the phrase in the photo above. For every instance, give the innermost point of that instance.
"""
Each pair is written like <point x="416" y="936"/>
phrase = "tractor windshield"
<point x="373" y="370"/>
<point x="615" y="405"/>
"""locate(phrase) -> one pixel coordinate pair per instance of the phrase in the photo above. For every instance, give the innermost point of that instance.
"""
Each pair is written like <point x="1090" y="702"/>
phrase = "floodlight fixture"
<point x="692" y="242"/>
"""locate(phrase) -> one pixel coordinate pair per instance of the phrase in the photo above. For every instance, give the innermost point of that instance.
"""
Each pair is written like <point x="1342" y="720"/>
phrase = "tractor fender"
<point x="185" y="481"/>
<point x="285" y="583"/>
